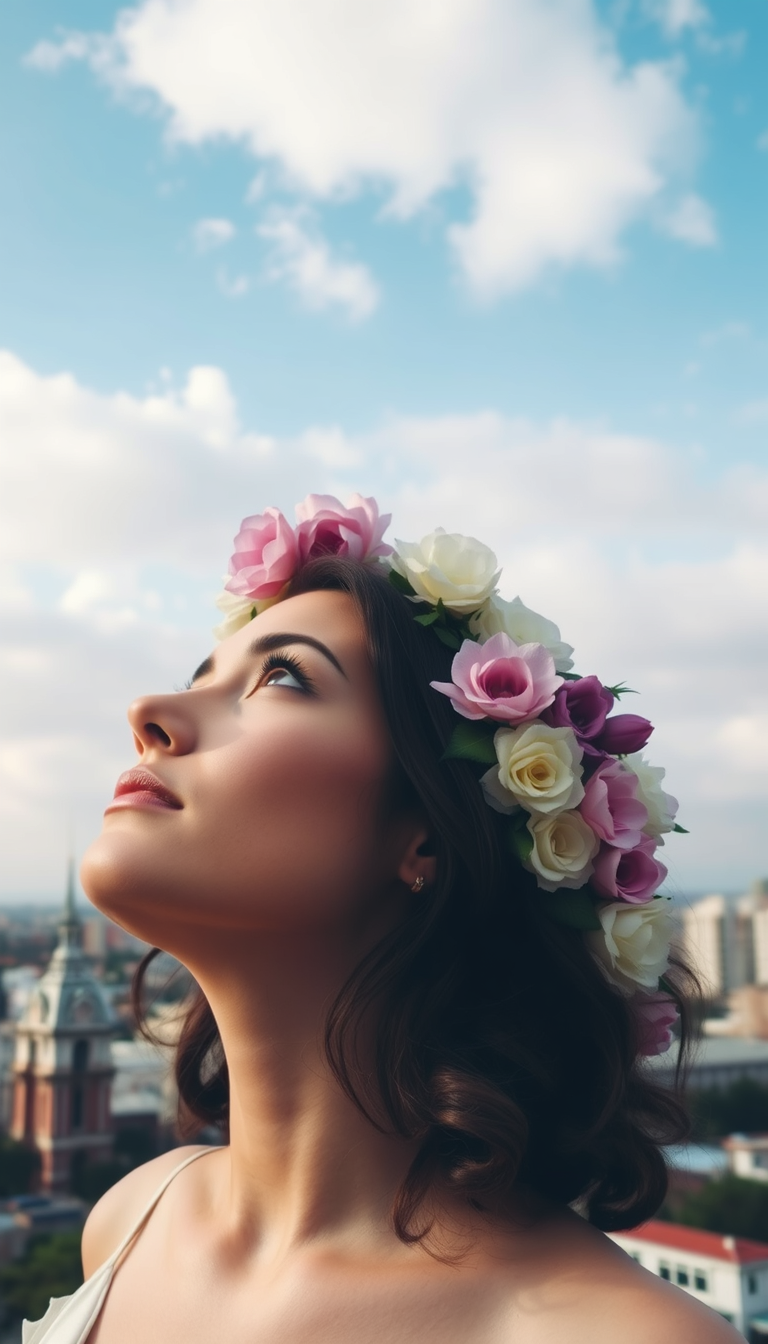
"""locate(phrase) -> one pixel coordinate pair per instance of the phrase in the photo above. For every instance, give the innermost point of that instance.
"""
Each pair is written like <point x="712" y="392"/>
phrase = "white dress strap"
<point x="137" y="1226"/>
<point x="69" y="1320"/>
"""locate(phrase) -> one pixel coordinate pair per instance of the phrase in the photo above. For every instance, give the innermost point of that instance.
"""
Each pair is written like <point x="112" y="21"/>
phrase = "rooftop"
<point x="736" y="1250"/>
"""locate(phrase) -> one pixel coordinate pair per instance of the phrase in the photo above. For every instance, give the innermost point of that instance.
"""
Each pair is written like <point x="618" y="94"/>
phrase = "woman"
<point x="397" y="850"/>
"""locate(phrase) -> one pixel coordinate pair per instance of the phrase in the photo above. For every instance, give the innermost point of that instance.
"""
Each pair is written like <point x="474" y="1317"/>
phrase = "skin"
<point x="284" y="865"/>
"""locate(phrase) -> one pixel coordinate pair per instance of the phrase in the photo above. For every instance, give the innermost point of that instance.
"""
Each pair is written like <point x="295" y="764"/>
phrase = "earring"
<point x="418" y="884"/>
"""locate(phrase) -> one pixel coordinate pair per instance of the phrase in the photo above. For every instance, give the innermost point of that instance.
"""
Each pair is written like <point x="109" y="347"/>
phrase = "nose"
<point x="162" y="722"/>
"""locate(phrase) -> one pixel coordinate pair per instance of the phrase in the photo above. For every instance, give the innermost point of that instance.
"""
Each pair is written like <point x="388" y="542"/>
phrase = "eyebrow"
<point x="278" y="640"/>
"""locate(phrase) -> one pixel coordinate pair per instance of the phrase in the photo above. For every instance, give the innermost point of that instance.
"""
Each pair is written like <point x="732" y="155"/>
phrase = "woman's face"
<point x="277" y="761"/>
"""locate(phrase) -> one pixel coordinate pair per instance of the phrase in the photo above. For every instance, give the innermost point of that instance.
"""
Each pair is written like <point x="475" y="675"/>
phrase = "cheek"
<point x="295" y="810"/>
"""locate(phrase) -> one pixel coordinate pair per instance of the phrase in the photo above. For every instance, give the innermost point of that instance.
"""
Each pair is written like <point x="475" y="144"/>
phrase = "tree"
<point x="19" y="1166"/>
<point x="50" y="1267"/>
<point x="740" y="1108"/>
<point x="731" y="1205"/>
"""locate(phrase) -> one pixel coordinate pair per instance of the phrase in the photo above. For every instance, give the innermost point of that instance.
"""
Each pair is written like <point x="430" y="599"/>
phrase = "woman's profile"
<point x="411" y="859"/>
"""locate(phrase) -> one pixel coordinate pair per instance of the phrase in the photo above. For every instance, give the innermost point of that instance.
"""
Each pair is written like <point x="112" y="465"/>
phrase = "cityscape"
<point x="84" y="1097"/>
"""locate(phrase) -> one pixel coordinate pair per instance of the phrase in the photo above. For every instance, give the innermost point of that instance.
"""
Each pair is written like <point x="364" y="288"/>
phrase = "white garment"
<point x="69" y="1320"/>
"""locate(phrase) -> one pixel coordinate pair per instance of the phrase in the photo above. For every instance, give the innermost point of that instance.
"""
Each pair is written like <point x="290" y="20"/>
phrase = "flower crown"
<point x="586" y="813"/>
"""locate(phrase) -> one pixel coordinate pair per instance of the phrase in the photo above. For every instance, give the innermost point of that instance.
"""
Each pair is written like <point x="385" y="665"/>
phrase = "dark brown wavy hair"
<point x="500" y="1045"/>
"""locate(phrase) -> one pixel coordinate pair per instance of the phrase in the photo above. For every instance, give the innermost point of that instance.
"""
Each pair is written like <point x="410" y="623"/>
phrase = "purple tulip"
<point x="623" y="734"/>
<point x="582" y="705"/>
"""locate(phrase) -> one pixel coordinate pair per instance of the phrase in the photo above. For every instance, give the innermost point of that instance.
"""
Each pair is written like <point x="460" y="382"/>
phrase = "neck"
<point x="305" y="1163"/>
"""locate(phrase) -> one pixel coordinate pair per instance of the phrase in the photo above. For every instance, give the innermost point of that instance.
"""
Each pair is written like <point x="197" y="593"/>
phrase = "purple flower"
<point x="632" y="875"/>
<point x="611" y="805"/>
<point x="582" y="705"/>
<point x="623" y="734"/>
<point x="501" y="680"/>
<point x="656" y="1014"/>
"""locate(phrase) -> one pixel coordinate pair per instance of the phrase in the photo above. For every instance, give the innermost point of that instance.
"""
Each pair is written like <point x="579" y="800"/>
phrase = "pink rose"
<point x="501" y="680"/>
<point x="656" y="1014"/>
<point x="326" y="527"/>
<point x="266" y="556"/>
<point x="632" y="875"/>
<point x="611" y="806"/>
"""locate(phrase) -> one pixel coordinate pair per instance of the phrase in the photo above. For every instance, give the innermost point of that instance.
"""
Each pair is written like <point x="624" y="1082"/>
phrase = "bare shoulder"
<point x="123" y="1204"/>
<point x="578" y="1286"/>
<point x="640" y="1308"/>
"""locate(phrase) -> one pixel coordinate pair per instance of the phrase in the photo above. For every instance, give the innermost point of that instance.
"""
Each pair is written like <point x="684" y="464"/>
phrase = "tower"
<point x="63" y="1066"/>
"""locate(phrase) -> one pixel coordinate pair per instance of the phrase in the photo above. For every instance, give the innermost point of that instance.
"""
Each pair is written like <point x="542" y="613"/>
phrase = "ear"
<point x="418" y="856"/>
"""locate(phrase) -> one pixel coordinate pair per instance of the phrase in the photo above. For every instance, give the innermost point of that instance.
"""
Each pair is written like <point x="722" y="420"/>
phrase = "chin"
<point x="122" y="883"/>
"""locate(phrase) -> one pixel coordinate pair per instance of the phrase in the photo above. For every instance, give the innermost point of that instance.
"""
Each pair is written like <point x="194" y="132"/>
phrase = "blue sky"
<point x="507" y="270"/>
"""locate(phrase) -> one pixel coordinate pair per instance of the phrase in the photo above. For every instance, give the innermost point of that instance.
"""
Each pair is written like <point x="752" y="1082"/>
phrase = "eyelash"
<point x="284" y="662"/>
<point x="276" y="662"/>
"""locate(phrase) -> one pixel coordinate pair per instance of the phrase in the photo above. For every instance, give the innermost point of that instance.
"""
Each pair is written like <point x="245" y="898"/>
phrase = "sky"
<point x="499" y="263"/>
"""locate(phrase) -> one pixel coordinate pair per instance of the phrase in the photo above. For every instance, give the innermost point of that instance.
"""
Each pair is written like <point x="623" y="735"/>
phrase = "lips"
<point x="140" y="788"/>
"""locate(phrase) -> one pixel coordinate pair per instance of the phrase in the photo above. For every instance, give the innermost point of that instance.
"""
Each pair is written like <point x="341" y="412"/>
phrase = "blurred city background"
<point x="500" y="263"/>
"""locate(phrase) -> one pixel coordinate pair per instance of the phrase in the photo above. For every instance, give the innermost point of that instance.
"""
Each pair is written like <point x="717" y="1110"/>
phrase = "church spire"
<point x="69" y="924"/>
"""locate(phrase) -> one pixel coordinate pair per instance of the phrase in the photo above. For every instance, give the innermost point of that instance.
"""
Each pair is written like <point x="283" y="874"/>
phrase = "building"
<point x="727" y="941"/>
<point x="747" y="1013"/>
<point x="748" y="1155"/>
<point x="728" y="1274"/>
<point x="718" y="1061"/>
<point x="707" y="927"/>
<point x="62" y="1068"/>
<point x="759" y="894"/>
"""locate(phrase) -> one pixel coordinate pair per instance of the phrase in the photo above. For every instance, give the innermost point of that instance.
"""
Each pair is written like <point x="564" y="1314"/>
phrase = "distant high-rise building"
<point x="759" y="895"/>
<point x="63" y="1067"/>
<point x="705" y="937"/>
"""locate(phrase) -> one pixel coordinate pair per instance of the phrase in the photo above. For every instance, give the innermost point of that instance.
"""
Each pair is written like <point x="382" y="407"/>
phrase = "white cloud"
<point x="729" y="331"/>
<point x="753" y="413"/>
<point x="677" y="15"/>
<point x="212" y="233"/>
<point x="692" y="221"/>
<point x="117" y="512"/>
<point x="303" y="259"/>
<point x="559" y="143"/>
<point x="235" y="287"/>
<point x="762" y="142"/>
<point x="730" y="44"/>
<point x="94" y="48"/>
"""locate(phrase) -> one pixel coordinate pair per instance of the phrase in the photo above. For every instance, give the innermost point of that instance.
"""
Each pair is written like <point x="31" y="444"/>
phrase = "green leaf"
<point x="447" y="636"/>
<point x="680" y="829"/>
<point x="400" y="582"/>
<point x="574" y="908"/>
<point x="471" y="742"/>
<point x="619" y="690"/>
<point x="570" y="676"/>
<point x="520" y="841"/>
<point x="428" y="619"/>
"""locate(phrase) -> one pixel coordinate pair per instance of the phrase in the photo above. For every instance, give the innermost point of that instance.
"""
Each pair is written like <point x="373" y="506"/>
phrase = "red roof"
<point x="736" y="1250"/>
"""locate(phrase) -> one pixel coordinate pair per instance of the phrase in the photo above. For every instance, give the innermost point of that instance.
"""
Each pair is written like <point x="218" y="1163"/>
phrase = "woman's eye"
<point x="282" y="676"/>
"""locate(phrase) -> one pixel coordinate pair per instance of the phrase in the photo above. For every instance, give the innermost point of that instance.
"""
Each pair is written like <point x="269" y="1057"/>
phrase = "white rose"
<point x="522" y="625"/>
<point x="460" y="570"/>
<point x="539" y="769"/>
<point x="633" y="946"/>
<point x="662" y="807"/>
<point x="563" y="849"/>
<point x="238" y="611"/>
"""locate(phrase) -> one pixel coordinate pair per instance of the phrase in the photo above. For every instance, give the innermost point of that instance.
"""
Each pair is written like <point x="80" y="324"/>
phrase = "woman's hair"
<point x="499" y="1043"/>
